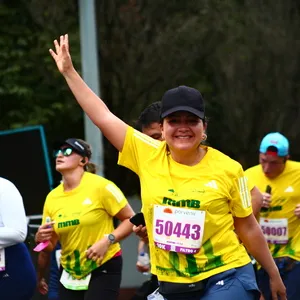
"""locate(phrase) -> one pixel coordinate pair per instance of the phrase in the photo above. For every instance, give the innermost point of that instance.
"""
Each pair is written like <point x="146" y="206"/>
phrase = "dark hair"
<point x="89" y="167"/>
<point x="151" y="114"/>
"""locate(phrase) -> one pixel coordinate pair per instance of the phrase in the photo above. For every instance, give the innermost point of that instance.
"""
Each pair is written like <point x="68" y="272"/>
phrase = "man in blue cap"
<point x="279" y="179"/>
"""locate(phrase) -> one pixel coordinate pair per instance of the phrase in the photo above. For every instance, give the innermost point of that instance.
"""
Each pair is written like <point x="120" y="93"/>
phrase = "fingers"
<point x="67" y="42"/>
<point x="90" y="254"/>
<point x="139" y="228"/>
<point x="52" y="54"/>
<point x="47" y="225"/>
<point x="44" y="234"/>
<point x="297" y="210"/>
<point x="142" y="268"/>
<point x="43" y="287"/>
<point x="64" y="50"/>
<point x="283" y="296"/>
<point x="266" y="200"/>
<point x="57" y="47"/>
<point x="61" y="40"/>
<point x="274" y="295"/>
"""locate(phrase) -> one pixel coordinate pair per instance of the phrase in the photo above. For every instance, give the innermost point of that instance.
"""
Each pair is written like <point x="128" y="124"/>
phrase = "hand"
<point x="277" y="288"/>
<point x="297" y="211"/>
<point x="266" y="200"/>
<point x="62" y="56"/>
<point x="98" y="250"/>
<point x="42" y="286"/>
<point x="141" y="231"/>
<point x="142" y="268"/>
<point x="45" y="232"/>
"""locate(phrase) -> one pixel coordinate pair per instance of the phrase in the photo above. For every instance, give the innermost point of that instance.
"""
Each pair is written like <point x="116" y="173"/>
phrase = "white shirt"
<point x="13" y="224"/>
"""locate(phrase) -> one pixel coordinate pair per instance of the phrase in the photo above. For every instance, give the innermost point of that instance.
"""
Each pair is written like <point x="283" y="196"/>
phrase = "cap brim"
<point x="58" y="144"/>
<point x="196" y="112"/>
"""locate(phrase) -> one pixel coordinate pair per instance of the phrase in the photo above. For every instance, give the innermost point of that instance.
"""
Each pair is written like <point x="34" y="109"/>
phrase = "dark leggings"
<point x="18" y="281"/>
<point x="105" y="283"/>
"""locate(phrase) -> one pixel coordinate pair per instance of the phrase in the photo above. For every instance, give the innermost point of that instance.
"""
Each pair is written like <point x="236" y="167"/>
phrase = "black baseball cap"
<point x="183" y="98"/>
<point x="75" y="144"/>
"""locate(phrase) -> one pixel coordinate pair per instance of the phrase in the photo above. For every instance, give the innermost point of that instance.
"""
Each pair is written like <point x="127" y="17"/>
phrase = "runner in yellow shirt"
<point x="195" y="199"/>
<point x="81" y="209"/>
<point x="279" y="177"/>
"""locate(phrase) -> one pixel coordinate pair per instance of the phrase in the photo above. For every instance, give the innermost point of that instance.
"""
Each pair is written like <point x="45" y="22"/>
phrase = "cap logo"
<point x="79" y="145"/>
<point x="273" y="142"/>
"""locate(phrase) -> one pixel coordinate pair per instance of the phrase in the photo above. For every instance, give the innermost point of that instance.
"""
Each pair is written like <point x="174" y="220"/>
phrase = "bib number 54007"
<point x="178" y="229"/>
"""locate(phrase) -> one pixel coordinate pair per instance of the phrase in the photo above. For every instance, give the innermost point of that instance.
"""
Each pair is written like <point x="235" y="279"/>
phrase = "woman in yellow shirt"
<point x="195" y="199"/>
<point x="81" y="210"/>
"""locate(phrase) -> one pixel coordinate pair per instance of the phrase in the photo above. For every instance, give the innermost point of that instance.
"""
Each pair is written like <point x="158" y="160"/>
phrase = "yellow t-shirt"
<point x="285" y="196"/>
<point x="82" y="217"/>
<point x="216" y="186"/>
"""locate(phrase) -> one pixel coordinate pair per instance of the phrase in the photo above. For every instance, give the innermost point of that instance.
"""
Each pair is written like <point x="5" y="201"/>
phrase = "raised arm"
<point x="111" y="126"/>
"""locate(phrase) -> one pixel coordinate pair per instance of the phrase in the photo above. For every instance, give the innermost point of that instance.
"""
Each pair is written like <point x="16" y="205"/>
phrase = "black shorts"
<point x="105" y="283"/>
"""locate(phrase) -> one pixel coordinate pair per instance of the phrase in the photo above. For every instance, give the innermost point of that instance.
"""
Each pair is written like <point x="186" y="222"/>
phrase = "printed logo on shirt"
<point x="182" y="203"/>
<point x="212" y="184"/>
<point x="74" y="222"/>
<point x="87" y="201"/>
<point x="289" y="189"/>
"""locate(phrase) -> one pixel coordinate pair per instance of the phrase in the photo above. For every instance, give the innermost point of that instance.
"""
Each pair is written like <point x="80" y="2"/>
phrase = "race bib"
<point x="2" y="259"/>
<point x="275" y="230"/>
<point x="71" y="283"/>
<point x="178" y="229"/>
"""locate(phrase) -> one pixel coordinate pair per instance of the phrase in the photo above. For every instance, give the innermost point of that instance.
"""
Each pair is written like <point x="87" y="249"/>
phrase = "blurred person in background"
<point x="149" y="124"/>
<point x="279" y="178"/>
<point x="44" y="260"/>
<point x="17" y="273"/>
<point x="184" y="187"/>
<point x="82" y="208"/>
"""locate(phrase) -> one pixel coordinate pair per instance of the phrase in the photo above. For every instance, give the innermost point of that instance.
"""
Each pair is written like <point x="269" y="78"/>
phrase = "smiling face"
<point x="183" y="131"/>
<point x="66" y="161"/>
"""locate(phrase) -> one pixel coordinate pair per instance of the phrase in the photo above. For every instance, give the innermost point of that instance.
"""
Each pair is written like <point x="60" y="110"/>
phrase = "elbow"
<point x="21" y="236"/>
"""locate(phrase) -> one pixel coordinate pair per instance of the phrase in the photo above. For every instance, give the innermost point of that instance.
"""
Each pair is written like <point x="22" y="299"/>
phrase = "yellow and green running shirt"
<point x="188" y="208"/>
<point x="82" y="217"/>
<point x="279" y="224"/>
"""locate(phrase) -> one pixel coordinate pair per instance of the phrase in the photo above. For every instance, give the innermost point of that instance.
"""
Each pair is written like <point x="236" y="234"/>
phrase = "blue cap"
<point x="276" y="140"/>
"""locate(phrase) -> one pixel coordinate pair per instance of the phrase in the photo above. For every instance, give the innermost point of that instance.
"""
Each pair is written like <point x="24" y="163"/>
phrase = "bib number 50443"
<point x="178" y="229"/>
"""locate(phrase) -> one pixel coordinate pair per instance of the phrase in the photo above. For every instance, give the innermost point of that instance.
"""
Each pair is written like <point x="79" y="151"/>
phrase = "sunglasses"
<point x="64" y="152"/>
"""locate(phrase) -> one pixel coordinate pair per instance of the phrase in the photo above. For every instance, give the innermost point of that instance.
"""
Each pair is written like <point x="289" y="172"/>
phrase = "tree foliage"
<point x="242" y="55"/>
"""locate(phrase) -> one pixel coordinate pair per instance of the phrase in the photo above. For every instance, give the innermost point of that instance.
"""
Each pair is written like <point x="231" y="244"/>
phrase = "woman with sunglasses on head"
<point x="195" y="199"/>
<point x="81" y="210"/>
<point x="17" y="274"/>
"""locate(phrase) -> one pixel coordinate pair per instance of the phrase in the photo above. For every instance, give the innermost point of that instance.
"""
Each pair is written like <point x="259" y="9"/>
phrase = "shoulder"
<point x="99" y="183"/>
<point x="253" y="170"/>
<point x="55" y="192"/>
<point x="94" y="179"/>
<point x="293" y="164"/>
<point x="6" y="185"/>
<point x="145" y="138"/>
<point x="223" y="161"/>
